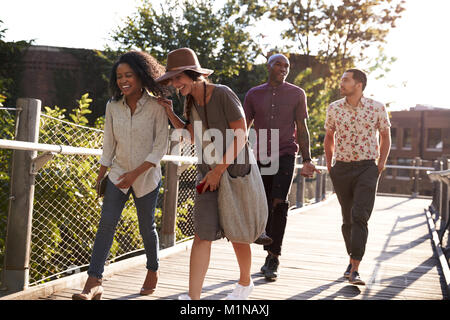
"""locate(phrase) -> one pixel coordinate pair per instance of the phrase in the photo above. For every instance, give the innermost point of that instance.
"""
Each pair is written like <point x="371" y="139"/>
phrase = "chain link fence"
<point x="7" y="131"/>
<point x="66" y="212"/>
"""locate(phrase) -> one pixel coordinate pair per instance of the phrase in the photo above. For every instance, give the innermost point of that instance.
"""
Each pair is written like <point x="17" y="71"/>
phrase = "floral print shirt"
<point x="357" y="128"/>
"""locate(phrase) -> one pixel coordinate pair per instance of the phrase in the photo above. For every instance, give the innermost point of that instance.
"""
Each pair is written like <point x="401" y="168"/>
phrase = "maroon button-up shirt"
<point x="277" y="108"/>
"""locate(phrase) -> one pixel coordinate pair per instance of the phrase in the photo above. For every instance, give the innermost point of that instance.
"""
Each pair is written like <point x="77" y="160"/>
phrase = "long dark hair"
<point x="146" y="68"/>
<point x="195" y="76"/>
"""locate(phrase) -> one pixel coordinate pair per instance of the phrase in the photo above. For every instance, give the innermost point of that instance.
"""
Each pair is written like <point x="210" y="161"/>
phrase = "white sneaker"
<point x="184" y="297"/>
<point x="241" y="292"/>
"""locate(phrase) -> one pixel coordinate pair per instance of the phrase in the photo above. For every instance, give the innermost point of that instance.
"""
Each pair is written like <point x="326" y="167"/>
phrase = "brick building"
<point x="422" y="132"/>
<point x="60" y="76"/>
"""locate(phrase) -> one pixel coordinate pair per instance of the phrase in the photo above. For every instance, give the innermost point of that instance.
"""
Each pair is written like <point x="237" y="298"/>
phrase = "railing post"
<point x="417" y="163"/>
<point x="324" y="178"/>
<point x="445" y="199"/>
<point x="300" y="197"/>
<point x="18" y="232"/>
<point x="319" y="182"/>
<point x="169" y="214"/>
<point x="437" y="194"/>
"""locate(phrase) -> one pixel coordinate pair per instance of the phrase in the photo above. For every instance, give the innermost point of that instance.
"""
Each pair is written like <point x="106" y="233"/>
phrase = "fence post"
<point x="445" y="199"/>
<point x="448" y="202"/>
<point x="417" y="163"/>
<point x="300" y="197"/>
<point x="18" y="231"/>
<point x="324" y="178"/>
<point x="169" y="214"/>
<point x="437" y="194"/>
<point x="319" y="182"/>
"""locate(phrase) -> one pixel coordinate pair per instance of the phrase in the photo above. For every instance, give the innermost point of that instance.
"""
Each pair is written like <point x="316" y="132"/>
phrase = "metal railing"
<point x="53" y="210"/>
<point x="404" y="179"/>
<point x="441" y="196"/>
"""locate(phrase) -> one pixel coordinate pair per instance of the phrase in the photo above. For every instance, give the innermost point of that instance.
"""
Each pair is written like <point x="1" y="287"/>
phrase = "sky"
<point x="418" y="76"/>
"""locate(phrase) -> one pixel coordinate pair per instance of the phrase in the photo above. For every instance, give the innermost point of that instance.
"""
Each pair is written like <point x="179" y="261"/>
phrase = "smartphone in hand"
<point x="200" y="187"/>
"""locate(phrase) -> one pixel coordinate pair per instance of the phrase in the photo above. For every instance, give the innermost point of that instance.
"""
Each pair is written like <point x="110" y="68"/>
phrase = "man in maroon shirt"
<point x="281" y="106"/>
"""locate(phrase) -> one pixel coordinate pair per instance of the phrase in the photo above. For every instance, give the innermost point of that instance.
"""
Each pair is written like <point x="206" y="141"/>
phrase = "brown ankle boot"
<point x="92" y="290"/>
<point x="151" y="280"/>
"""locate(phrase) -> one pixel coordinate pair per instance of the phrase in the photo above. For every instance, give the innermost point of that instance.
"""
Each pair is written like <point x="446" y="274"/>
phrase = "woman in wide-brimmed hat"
<point x="219" y="108"/>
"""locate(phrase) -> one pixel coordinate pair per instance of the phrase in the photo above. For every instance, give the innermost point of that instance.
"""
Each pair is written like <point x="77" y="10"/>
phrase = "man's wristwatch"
<point x="306" y="160"/>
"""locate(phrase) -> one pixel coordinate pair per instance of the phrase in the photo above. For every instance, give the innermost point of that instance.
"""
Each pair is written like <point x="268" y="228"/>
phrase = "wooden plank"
<point x="398" y="264"/>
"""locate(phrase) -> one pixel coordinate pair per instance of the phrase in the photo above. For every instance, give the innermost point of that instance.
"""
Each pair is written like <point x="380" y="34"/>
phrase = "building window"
<point x="393" y="138"/>
<point x="434" y="139"/>
<point x="407" y="138"/>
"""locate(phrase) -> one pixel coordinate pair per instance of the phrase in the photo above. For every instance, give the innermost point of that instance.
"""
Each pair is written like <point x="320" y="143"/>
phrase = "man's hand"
<point x="381" y="167"/>
<point x="308" y="170"/>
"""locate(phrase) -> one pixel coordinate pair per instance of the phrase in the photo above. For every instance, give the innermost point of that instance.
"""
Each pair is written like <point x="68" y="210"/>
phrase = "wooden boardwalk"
<point x="399" y="262"/>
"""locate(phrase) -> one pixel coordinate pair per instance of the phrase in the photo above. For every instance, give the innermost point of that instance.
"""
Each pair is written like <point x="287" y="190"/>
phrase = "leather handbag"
<point x="242" y="202"/>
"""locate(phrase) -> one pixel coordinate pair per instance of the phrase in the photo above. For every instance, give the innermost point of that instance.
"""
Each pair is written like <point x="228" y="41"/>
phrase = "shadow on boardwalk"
<point x="399" y="262"/>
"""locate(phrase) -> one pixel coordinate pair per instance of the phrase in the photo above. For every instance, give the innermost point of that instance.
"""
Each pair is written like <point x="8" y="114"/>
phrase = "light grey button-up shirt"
<point x="129" y="140"/>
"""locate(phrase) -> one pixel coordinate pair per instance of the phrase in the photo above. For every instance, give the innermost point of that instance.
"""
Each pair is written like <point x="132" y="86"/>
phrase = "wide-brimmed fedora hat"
<point x="180" y="60"/>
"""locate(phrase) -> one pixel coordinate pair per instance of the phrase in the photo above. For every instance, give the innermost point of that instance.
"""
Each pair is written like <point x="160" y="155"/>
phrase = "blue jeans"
<point x="113" y="204"/>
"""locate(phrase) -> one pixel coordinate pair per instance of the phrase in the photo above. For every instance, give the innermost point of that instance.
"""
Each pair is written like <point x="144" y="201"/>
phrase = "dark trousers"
<point x="277" y="186"/>
<point x="355" y="184"/>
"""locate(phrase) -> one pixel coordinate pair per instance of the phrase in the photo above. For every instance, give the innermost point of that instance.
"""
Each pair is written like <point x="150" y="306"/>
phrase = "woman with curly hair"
<point x="135" y="140"/>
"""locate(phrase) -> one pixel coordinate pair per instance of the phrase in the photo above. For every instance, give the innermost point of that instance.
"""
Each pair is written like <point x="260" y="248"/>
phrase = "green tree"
<point x="219" y="38"/>
<point x="11" y="68"/>
<point x="334" y="31"/>
<point x="337" y="34"/>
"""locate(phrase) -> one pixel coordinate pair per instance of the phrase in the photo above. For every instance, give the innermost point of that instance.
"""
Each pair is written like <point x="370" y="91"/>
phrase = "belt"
<point x="356" y="163"/>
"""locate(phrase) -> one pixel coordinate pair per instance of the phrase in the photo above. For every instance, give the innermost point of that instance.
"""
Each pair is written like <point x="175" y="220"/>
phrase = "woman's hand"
<point x="127" y="179"/>
<point x="212" y="180"/>
<point x="166" y="103"/>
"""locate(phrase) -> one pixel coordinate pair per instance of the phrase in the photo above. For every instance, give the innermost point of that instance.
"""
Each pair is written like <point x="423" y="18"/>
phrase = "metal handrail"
<point x="31" y="146"/>
<point x="443" y="177"/>
<point x="394" y="166"/>
<point x="440" y="176"/>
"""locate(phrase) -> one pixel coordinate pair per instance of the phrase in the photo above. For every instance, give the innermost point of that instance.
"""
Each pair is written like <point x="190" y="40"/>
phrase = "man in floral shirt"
<point x="352" y="126"/>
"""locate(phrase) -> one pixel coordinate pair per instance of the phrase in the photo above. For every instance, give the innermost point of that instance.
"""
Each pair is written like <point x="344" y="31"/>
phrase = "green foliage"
<point x="335" y="34"/>
<point x="11" y="67"/>
<point x="6" y="132"/>
<point x="66" y="212"/>
<point x="219" y="38"/>
<point x="83" y="108"/>
<point x="318" y="101"/>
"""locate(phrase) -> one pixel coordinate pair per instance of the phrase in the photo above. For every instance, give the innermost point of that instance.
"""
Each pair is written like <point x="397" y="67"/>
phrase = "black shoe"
<point x="271" y="273"/>
<point x="264" y="239"/>
<point x="266" y="263"/>
<point x="347" y="272"/>
<point x="356" y="279"/>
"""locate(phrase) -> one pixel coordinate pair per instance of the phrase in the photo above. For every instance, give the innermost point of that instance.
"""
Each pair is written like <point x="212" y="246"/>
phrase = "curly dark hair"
<point x="146" y="68"/>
